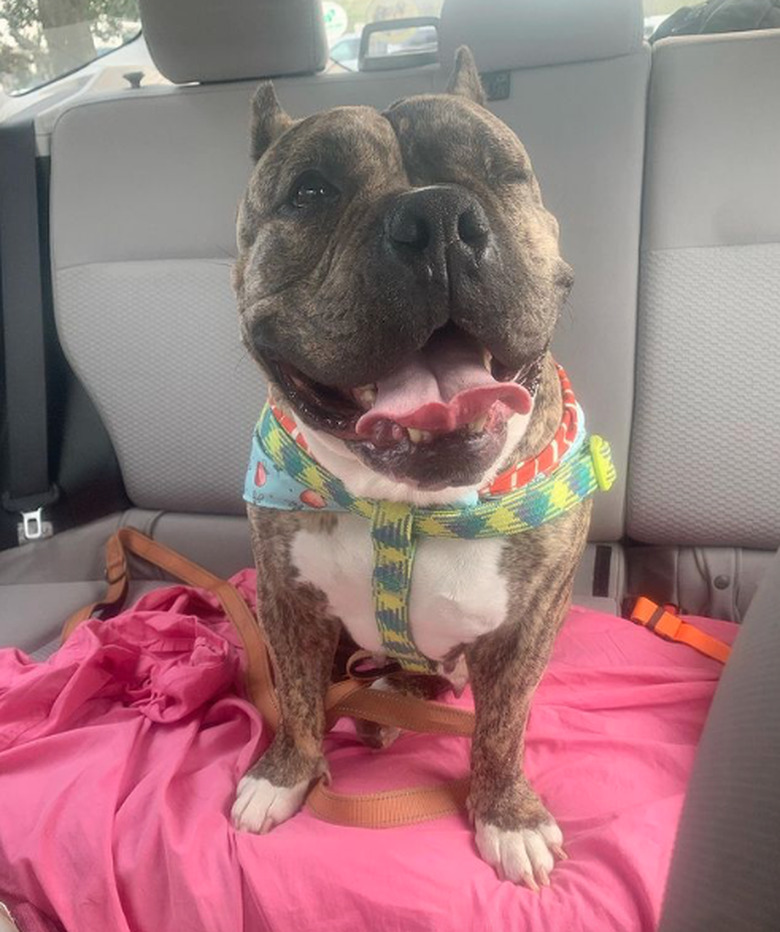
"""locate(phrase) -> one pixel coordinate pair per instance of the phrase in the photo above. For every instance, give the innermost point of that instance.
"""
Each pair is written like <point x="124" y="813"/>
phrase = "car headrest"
<point x="512" y="34"/>
<point x="233" y="40"/>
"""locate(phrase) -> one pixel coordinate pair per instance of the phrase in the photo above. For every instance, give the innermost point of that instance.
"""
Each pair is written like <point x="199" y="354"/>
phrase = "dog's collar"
<point x="570" y="433"/>
<point x="283" y="474"/>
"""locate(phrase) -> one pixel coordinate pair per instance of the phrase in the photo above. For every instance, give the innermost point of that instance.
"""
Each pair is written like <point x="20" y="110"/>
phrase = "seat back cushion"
<point x="705" y="451"/>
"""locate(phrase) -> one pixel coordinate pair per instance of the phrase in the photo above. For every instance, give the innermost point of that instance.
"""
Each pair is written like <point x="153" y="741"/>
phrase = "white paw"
<point x="526" y="856"/>
<point x="260" y="804"/>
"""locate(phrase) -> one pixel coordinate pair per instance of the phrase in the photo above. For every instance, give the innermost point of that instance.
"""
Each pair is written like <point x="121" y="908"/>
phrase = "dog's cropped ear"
<point x="464" y="80"/>
<point x="268" y="119"/>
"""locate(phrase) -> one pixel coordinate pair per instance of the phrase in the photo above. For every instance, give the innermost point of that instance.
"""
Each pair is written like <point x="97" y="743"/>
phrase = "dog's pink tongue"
<point x="441" y="387"/>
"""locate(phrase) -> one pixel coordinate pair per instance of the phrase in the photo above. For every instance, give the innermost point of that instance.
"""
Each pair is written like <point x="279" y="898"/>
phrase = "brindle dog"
<point x="367" y="240"/>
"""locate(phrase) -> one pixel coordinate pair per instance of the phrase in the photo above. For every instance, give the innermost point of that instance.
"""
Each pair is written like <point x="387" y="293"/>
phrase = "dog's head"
<point x="399" y="278"/>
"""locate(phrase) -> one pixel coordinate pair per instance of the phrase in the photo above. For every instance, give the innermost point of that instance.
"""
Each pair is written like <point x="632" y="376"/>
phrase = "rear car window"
<point x="42" y="40"/>
<point x="345" y="19"/>
<point x="656" y="11"/>
<point x="344" y="22"/>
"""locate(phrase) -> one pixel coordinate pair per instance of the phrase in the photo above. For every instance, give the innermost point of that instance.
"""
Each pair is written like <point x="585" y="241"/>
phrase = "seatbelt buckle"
<point x="32" y="527"/>
<point x="656" y="619"/>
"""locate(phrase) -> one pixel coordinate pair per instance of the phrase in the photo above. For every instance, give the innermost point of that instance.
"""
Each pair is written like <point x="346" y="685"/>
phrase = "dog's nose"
<point x="435" y="221"/>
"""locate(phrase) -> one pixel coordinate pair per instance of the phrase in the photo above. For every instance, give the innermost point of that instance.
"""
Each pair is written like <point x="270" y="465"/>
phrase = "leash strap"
<point x="349" y="696"/>
<point x="259" y="680"/>
<point x="391" y="808"/>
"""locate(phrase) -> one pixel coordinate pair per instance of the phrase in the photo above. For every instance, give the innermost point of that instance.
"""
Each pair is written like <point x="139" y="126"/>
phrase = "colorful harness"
<point x="282" y="474"/>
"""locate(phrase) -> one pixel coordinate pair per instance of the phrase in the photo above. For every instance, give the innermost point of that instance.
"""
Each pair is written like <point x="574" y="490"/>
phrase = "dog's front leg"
<point x="303" y="639"/>
<point x="514" y="831"/>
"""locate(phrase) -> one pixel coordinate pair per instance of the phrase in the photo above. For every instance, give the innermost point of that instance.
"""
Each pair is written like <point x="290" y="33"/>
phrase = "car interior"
<point x="129" y="399"/>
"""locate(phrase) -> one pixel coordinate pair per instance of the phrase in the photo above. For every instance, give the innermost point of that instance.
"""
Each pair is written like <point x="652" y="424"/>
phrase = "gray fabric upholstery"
<point x="218" y="542"/>
<point x="583" y="125"/>
<point x="152" y="418"/>
<point x="704" y="459"/>
<point x="510" y="34"/>
<point x="718" y="582"/>
<point x="32" y="614"/>
<point x="42" y="583"/>
<point x="712" y="134"/>
<point x="704" y="456"/>
<point x="172" y="163"/>
<point x="724" y="870"/>
<point x="75" y="555"/>
<point x="229" y="40"/>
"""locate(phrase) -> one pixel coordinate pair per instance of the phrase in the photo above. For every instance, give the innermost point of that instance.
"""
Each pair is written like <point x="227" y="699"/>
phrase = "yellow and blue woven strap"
<point x="395" y="541"/>
<point x="395" y="526"/>
<point x="291" y="458"/>
<point x="581" y="475"/>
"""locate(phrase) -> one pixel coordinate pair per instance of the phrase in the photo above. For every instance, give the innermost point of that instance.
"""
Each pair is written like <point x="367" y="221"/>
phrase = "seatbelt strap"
<point x="672" y="628"/>
<point x="29" y="488"/>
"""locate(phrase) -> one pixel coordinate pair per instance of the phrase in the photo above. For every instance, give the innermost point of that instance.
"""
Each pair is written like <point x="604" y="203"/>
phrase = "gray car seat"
<point x="703" y="489"/>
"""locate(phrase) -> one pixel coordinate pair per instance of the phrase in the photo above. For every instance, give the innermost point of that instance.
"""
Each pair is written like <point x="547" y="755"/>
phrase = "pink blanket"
<point x="119" y="758"/>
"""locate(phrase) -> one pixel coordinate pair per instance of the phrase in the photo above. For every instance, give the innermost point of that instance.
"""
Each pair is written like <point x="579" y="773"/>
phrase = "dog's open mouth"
<point x="451" y="398"/>
<point x="447" y="385"/>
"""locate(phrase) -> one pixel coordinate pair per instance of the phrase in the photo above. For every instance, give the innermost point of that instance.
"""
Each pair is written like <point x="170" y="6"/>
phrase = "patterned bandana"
<point x="282" y="474"/>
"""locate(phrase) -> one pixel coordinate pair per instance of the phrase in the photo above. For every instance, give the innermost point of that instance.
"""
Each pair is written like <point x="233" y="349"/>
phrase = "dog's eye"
<point x="311" y="189"/>
<point x="514" y="176"/>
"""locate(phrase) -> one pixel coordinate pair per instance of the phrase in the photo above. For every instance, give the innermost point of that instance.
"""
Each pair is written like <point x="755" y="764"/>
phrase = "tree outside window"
<point x="41" y="40"/>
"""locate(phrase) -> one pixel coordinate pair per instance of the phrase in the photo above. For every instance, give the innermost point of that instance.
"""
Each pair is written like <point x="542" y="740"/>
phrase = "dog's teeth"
<point x="415" y="435"/>
<point x="478" y="425"/>
<point x="366" y="395"/>
<point x="487" y="359"/>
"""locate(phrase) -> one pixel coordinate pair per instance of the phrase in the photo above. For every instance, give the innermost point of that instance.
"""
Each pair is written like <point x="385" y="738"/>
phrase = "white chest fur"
<point x="457" y="592"/>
